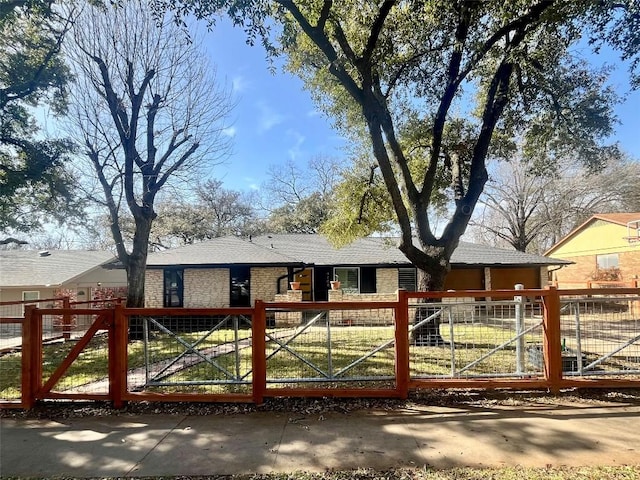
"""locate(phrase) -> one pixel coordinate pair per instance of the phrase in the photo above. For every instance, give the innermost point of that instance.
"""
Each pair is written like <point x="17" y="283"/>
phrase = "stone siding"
<point x="366" y="316"/>
<point x="264" y="283"/>
<point x="206" y="288"/>
<point x="203" y="288"/>
<point x="386" y="280"/>
<point x="288" y="319"/>
<point x="153" y="289"/>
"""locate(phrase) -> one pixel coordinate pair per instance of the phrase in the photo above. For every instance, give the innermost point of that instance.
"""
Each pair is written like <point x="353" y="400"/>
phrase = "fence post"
<point x="118" y="341"/>
<point x="552" y="342"/>
<point x="519" y="301"/>
<point x="402" y="344"/>
<point x="258" y="353"/>
<point x="27" y="358"/>
<point x="32" y="355"/>
<point x="66" y="318"/>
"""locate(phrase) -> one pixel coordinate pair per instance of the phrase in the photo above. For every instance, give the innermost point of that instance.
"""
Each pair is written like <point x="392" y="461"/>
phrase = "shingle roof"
<point x="474" y="254"/>
<point x="309" y="249"/>
<point x="20" y="268"/>
<point x="221" y="251"/>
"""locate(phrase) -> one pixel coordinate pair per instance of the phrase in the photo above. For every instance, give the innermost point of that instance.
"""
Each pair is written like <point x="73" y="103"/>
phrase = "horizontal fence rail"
<point x="532" y="338"/>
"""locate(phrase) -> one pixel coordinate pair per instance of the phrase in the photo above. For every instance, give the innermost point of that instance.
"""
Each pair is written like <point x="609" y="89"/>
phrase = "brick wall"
<point x="630" y="265"/>
<point x="585" y="265"/>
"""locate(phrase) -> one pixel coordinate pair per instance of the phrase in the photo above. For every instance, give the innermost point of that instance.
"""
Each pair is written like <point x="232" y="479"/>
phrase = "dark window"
<point x="407" y="279"/>
<point x="240" y="287"/>
<point x="367" y="280"/>
<point x="173" y="288"/>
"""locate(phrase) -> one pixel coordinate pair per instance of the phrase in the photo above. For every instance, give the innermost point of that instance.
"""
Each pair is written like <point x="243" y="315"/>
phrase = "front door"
<point x="305" y="278"/>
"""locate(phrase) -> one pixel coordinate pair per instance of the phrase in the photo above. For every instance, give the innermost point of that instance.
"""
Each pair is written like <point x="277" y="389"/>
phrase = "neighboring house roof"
<point x="619" y="218"/>
<point x="21" y="268"/>
<point x="622" y="219"/>
<point x="310" y="249"/>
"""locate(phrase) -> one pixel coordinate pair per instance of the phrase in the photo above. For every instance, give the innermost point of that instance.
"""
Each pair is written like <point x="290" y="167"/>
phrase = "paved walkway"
<point x="260" y="442"/>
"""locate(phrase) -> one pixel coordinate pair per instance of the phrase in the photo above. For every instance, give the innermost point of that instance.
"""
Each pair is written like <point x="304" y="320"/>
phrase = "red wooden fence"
<point x="115" y="322"/>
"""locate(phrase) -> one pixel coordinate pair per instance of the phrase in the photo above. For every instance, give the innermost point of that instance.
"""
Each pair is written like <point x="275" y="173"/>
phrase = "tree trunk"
<point x="431" y="277"/>
<point x="136" y="270"/>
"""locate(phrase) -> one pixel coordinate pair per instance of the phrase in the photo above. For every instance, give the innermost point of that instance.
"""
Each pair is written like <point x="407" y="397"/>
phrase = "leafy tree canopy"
<point x="34" y="185"/>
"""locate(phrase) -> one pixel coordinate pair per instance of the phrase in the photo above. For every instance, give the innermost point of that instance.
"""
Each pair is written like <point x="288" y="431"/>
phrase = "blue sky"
<point x="275" y="119"/>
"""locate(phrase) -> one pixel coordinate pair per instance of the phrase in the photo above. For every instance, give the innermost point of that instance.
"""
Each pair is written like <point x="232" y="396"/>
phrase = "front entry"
<point x="321" y="285"/>
<point x="305" y="278"/>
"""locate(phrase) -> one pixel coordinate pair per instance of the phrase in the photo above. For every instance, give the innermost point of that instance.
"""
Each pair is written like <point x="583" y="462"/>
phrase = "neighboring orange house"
<point x="606" y="242"/>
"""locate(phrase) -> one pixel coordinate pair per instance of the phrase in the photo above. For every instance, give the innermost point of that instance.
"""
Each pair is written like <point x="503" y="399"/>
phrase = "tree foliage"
<point x="147" y="112"/>
<point x="298" y="199"/>
<point x="532" y="210"/>
<point x="215" y="212"/>
<point x="34" y="184"/>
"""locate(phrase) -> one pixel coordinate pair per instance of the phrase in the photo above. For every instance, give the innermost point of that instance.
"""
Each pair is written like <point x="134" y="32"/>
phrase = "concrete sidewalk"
<point x="261" y="442"/>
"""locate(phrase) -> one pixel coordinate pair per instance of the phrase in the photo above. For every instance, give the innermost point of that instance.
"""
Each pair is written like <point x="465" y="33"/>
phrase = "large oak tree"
<point x="432" y="84"/>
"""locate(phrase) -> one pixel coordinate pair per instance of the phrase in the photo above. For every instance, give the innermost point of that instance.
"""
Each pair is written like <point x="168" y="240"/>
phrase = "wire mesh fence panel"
<point x="88" y="373"/>
<point x="601" y="336"/>
<point x="352" y="348"/>
<point x="11" y="319"/>
<point x="204" y="354"/>
<point x="475" y="339"/>
<point x="10" y="369"/>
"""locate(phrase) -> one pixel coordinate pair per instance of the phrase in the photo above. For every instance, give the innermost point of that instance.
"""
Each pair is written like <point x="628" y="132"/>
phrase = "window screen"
<point x="407" y="279"/>
<point x="349" y="278"/>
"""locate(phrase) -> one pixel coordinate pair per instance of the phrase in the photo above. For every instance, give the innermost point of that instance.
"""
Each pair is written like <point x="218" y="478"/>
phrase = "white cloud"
<point x="239" y="84"/>
<point x="268" y="117"/>
<point x="298" y="139"/>
<point x="229" y="131"/>
<point x="251" y="183"/>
